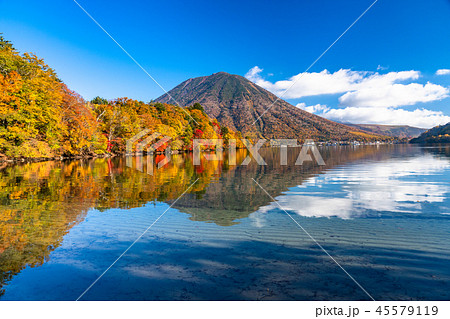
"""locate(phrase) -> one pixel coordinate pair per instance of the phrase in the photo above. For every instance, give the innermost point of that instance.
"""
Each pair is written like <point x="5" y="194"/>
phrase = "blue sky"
<point x="176" y="40"/>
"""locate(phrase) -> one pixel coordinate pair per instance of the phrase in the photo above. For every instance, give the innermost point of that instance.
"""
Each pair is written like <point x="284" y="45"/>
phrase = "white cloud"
<point x="368" y="115"/>
<point x="361" y="88"/>
<point x="308" y="84"/>
<point x="366" y="97"/>
<point x="388" y="94"/>
<point x="443" y="72"/>
<point x="253" y="73"/>
<point x="318" y="108"/>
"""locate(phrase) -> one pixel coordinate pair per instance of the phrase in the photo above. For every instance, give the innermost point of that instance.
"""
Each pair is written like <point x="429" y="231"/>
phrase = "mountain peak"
<point x="242" y="105"/>
<point x="222" y="73"/>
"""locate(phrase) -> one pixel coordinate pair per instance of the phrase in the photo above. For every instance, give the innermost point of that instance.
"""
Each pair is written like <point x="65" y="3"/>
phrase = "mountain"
<point x="237" y="103"/>
<point x="438" y="134"/>
<point x="399" y="131"/>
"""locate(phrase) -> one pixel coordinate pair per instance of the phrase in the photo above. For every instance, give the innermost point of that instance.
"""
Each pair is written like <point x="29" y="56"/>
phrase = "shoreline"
<point x="16" y="160"/>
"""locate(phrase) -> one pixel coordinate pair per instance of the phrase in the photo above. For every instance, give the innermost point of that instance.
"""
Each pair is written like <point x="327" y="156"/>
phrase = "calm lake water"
<point x="383" y="213"/>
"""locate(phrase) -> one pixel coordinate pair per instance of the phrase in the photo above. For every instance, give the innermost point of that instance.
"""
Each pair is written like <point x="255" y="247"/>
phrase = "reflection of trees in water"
<point x="41" y="202"/>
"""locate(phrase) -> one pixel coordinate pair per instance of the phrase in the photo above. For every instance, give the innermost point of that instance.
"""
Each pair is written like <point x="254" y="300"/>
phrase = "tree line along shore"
<point x="41" y="118"/>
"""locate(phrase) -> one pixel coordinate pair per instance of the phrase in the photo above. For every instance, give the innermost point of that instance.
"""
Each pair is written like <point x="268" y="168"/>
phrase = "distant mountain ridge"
<point x="237" y="103"/>
<point x="438" y="134"/>
<point x="399" y="131"/>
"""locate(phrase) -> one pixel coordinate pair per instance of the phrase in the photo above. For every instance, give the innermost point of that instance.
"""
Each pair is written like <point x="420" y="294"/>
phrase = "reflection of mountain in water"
<point x="41" y="202"/>
<point x="236" y="195"/>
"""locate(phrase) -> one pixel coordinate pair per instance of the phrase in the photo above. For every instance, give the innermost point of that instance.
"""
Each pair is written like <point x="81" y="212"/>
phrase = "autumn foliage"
<point x="41" y="117"/>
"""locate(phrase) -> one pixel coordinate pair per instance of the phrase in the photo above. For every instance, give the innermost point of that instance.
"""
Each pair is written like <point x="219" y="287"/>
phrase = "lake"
<point x="381" y="212"/>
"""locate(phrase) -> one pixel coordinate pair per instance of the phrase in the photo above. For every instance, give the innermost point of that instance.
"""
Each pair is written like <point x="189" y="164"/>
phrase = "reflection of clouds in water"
<point x="397" y="185"/>
<point x="313" y="206"/>
<point x="258" y="218"/>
